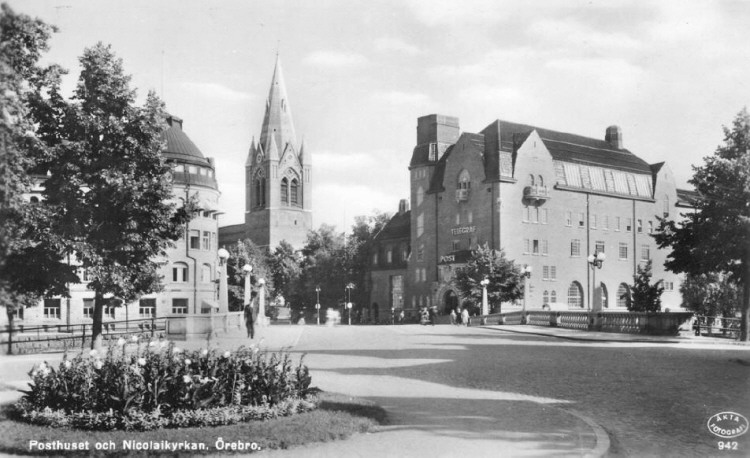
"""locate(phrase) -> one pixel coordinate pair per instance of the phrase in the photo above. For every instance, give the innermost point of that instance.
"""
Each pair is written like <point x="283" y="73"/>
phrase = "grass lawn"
<point x="338" y="417"/>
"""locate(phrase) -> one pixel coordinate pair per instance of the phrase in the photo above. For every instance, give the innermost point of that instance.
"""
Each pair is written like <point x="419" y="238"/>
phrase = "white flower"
<point x="227" y="354"/>
<point x="256" y="350"/>
<point x="98" y="364"/>
<point x="187" y="362"/>
<point x="42" y="365"/>
<point x="67" y="364"/>
<point x="44" y="372"/>
<point x="152" y="344"/>
<point x="186" y="379"/>
<point x="141" y="361"/>
<point x="93" y="353"/>
<point x="204" y="352"/>
<point x="120" y="342"/>
<point x="134" y="338"/>
<point x="136" y="370"/>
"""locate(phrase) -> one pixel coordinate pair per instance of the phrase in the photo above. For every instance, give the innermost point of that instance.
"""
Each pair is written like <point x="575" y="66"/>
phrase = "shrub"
<point x="160" y="385"/>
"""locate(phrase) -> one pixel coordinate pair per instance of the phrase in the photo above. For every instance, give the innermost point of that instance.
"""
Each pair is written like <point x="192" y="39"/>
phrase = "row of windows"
<point x="420" y="274"/>
<point x="290" y="192"/>
<point x="194" y="169"/>
<point x="575" y="295"/>
<point x="181" y="273"/>
<point x="622" y="254"/>
<point x="206" y="242"/>
<point x="535" y="247"/>
<point x="579" y="220"/>
<point x="52" y="308"/>
<point x="534" y="214"/>
<point x="393" y="255"/>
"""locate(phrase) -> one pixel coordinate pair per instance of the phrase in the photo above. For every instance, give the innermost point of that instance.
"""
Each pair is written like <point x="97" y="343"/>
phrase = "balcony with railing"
<point x="462" y="195"/>
<point x="536" y="193"/>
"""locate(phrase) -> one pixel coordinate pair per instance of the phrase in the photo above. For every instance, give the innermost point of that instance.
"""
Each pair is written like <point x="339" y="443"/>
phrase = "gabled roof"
<point x="476" y="145"/>
<point x="399" y="227"/>
<point x="573" y="148"/>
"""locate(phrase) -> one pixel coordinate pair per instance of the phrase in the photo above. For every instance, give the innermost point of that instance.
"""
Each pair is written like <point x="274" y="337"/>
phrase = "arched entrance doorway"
<point x="450" y="302"/>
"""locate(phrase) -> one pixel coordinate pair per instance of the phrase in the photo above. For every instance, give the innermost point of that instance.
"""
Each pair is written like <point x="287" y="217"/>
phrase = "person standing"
<point x="465" y="317"/>
<point x="251" y="315"/>
<point x="453" y="316"/>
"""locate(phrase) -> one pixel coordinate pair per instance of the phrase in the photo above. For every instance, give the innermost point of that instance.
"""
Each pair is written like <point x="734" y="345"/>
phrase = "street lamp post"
<point x="248" y="269"/>
<point x="526" y="274"/>
<point x="317" y="304"/>
<point x="262" y="302"/>
<point x="223" y="289"/>
<point x="595" y="261"/>
<point x="485" y="302"/>
<point x="349" y="288"/>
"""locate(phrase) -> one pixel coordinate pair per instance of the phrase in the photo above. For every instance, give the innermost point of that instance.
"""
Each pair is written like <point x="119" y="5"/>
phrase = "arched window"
<point x="293" y="191"/>
<point x="464" y="180"/>
<point x="605" y="296"/>
<point x="206" y="273"/>
<point x="545" y="297"/>
<point x="575" y="295"/>
<point x="541" y="181"/>
<point x="623" y="295"/>
<point x="284" y="191"/>
<point x="531" y="180"/>
<point x="420" y="195"/>
<point x="666" y="206"/>
<point x="179" y="272"/>
<point x="553" y="296"/>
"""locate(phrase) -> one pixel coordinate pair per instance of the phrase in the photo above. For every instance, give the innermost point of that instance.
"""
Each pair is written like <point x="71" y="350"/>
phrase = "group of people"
<point x="461" y="318"/>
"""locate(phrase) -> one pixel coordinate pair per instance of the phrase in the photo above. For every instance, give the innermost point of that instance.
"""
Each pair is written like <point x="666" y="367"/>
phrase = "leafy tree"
<point x="360" y="243"/>
<point x="241" y="253"/>
<point x="711" y="295"/>
<point x="285" y="269"/>
<point x="31" y="265"/>
<point x="108" y="183"/>
<point x="644" y="296"/>
<point x="506" y="283"/>
<point x="716" y="237"/>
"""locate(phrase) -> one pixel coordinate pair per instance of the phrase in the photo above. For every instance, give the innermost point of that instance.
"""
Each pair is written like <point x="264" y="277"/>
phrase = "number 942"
<point x="727" y="445"/>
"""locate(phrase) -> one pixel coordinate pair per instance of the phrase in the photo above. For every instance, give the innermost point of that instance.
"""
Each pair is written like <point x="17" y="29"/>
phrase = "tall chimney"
<point x="614" y="136"/>
<point x="403" y="206"/>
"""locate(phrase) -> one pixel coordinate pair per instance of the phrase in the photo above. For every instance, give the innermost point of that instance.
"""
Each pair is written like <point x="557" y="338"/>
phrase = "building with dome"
<point x="189" y="268"/>
<point x="278" y="184"/>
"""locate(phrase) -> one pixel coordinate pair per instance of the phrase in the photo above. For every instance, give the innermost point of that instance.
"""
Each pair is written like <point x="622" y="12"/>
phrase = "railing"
<point x="536" y="192"/>
<point x="462" y="195"/>
<point x="623" y="322"/>
<point x="713" y="325"/>
<point x="35" y="339"/>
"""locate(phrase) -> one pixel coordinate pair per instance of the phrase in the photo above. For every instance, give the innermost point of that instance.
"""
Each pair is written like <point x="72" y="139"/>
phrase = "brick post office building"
<point x="548" y="199"/>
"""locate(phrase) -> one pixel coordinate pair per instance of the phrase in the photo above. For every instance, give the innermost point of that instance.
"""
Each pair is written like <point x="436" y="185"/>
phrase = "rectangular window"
<point x="389" y="256"/>
<point x="375" y="259"/>
<point x="640" y="226"/>
<point x="458" y="219"/>
<point x="147" y="308"/>
<point x="599" y="246"/>
<point x="470" y="217"/>
<point x="629" y="225"/>
<point x="552" y="274"/>
<point x="535" y="247"/>
<point x="650" y="227"/>
<point x="179" y="306"/>
<point x="88" y="308"/>
<point x="420" y="253"/>
<point x="109" y="311"/>
<point x="535" y="214"/>
<point x="525" y="215"/>
<point x="543" y="216"/>
<point x="605" y="222"/>
<point x="617" y="223"/>
<point x="623" y="254"/>
<point x="645" y="253"/>
<point x="581" y="220"/>
<point x="206" y="242"/>
<point x="526" y="244"/>
<point x="592" y="221"/>
<point x="575" y="247"/>
<point x="52" y="308"/>
<point x="420" y="225"/>
<point x="668" y="286"/>
<point x="456" y="245"/>
<point x="195" y="240"/>
<point x="545" y="272"/>
<point x="568" y="219"/>
<point x="545" y="248"/>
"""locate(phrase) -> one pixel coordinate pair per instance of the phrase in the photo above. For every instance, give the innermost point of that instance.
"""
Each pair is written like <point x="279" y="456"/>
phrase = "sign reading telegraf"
<point x="463" y="230"/>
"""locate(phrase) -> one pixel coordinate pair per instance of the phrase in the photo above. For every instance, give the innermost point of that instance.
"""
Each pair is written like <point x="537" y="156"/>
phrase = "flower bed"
<point x="159" y="385"/>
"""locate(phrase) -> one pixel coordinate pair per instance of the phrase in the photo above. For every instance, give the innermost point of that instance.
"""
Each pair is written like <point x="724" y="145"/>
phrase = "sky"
<point x="359" y="74"/>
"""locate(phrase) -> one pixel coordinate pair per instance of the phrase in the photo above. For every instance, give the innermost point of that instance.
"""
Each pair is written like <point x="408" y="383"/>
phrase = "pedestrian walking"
<point x="433" y="314"/>
<point x="251" y="315"/>
<point x="453" y="316"/>
<point x="465" y="317"/>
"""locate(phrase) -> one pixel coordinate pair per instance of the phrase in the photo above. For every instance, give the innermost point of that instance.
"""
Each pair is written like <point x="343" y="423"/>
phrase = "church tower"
<point x="278" y="185"/>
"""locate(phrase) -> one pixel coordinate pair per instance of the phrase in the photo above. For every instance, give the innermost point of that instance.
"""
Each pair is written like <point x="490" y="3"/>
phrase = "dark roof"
<point x="475" y="143"/>
<point x="179" y="146"/>
<point x="420" y="155"/>
<point x="573" y="148"/>
<point x="399" y="227"/>
<point x="687" y="197"/>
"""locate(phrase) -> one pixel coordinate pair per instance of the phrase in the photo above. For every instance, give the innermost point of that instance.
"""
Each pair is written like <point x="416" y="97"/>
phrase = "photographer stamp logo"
<point x="727" y="425"/>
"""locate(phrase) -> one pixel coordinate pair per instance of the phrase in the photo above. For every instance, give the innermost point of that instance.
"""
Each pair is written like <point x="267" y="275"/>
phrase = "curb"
<point x="602" y="438"/>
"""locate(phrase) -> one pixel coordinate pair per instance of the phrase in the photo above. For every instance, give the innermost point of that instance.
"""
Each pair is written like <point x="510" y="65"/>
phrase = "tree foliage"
<point x="645" y="296"/>
<point x="242" y="253"/>
<point x="711" y="295"/>
<point x="505" y="280"/>
<point x="716" y="237"/>
<point x="285" y="268"/>
<point x="108" y="186"/>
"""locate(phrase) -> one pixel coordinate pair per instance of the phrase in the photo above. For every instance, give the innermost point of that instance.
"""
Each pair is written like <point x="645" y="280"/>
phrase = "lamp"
<point x="223" y="297"/>
<point x="317" y="304"/>
<point x="485" y="304"/>
<point x="595" y="261"/>
<point x="525" y="274"/>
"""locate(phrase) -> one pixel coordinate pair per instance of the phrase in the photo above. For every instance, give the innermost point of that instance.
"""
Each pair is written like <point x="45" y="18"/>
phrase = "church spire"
<point x="277" y="122"/>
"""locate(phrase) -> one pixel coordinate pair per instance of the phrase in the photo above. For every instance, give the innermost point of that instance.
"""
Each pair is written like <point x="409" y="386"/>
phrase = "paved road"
<point x="455" y="391"/>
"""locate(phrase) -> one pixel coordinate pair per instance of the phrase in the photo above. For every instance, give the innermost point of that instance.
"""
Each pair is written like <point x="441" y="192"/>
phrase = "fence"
<point x="717" y="326"/>
<point x="36" y="339"/>
<point x="622" y="322"/>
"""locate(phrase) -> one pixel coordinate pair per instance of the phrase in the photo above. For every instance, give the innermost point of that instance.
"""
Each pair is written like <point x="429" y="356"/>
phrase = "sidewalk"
<point x="590" y="336"/>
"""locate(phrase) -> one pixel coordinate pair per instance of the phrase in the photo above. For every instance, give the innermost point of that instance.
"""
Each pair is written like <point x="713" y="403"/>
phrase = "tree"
<point x="108" y="183"/>
<point x="716" y="237"/>
<point x="31" y="265"/>
<point x="360" y="243"/>
<point x="241" y="253"/>
<point x="506" y="283"/>
<point x="711" y="295"/>
<point x="644" y="296"/>
<point x="285" y="269"/>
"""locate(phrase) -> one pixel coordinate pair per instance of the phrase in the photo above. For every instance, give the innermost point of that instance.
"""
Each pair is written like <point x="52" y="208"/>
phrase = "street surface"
<point x="457" y="391"/>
